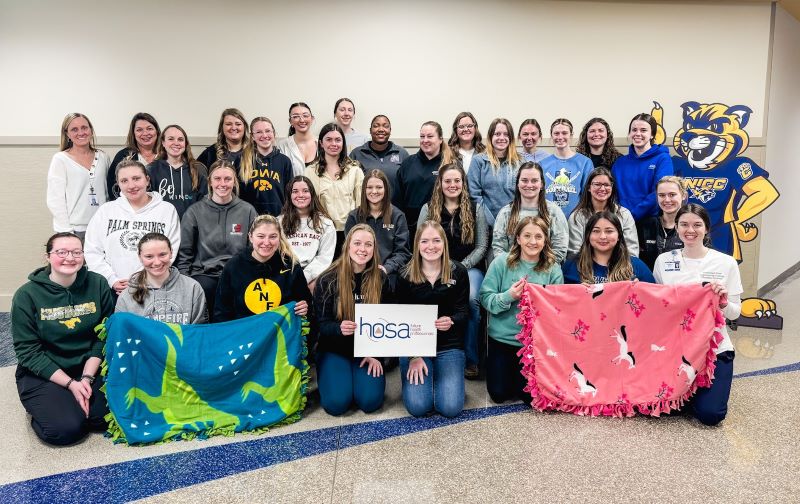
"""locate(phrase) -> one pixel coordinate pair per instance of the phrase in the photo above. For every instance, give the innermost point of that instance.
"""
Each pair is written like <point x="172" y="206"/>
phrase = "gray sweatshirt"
<point x="211" y="234"/>
<point x="559" y="230"/>
<point x="180" y="300"/>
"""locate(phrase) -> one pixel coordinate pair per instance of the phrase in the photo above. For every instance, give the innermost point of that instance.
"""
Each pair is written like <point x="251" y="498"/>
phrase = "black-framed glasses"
<point x="63" y="253"/>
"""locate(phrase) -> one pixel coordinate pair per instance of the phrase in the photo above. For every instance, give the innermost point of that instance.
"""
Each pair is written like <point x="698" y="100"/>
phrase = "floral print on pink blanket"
<point x="581" y="328"/>
<point x="637" y="307"/>
<point x="573" y="347"/>
<point x="686" y="324"/>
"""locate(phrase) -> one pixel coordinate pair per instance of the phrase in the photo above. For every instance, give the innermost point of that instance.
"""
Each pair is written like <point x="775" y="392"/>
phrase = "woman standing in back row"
<point x="140" y="145"/>
<point x="492" y="173"/>
<point x="300" y="146"/>
<point x="343" y="113"/>
<point x="417" y="174"/>
<point x="76" y="179"/>
<point x="566" y="171"/>
<point x="465" y="140"/>
<point x="639" y="171"/>
<point x="596" y="142"/>
<point x="232" y="138"/>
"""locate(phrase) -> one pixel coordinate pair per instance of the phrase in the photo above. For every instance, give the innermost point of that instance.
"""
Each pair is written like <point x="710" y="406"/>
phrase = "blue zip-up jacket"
<point x="636" y="178"/>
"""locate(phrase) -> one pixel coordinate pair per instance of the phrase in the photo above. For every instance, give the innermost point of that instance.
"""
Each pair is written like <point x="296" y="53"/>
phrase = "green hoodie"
<point x="53" y="326"/>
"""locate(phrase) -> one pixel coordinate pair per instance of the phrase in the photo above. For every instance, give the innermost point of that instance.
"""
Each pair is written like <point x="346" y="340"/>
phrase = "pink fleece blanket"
<point x="617" y="348"/>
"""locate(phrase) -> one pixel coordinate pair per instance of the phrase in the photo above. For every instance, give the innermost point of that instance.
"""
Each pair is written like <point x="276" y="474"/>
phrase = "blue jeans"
<point x="474" y="322"/>
<point x="443" y="389"/>
<point x="710" y="405"/>
<point x="504" y="379"/>
<point x="342" y="382"/>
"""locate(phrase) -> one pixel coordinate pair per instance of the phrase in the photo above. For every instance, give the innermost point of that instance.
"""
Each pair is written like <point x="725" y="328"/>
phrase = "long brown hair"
<point x="413" y="270"/>
<point x="343" y="162"/>
<point x="512" y="157"/>
<point x="290" y="216"/>
<point x="610" y="152"/>
<point x="371" y="280"/>
<point x="465" y="205"/>
<point x="477" y="140"/>
<point x="363" y="210"/>
<point x="619" y="265"/>
<point x="249" y="151"/>
<point x="547" y="257"/>
<point x="188" y="158"/>
<point x="139" y="279"/>
<point x="516" y="203"/>
<point x="222" y="143"/>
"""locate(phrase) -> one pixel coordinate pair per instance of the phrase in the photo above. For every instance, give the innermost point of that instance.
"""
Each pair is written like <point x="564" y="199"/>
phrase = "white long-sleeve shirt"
<point x="673" y="268"/>
<point x="113" y="234"/>
<point x="69" y="186"/>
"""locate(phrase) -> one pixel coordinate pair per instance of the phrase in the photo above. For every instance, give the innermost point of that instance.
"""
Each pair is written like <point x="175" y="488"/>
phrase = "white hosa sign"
<point x="388" y="330"/>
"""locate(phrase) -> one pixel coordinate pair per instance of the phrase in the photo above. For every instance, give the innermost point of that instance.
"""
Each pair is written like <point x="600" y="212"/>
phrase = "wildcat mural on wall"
<point x="733" y="188"/>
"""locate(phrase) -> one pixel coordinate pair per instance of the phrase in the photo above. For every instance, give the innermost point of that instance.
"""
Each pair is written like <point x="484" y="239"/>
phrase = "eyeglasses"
<point x="297" y="117"/>
<point x="600" y="185"/>
<point x="464" y="127"/>
<point x="63" y="253"/>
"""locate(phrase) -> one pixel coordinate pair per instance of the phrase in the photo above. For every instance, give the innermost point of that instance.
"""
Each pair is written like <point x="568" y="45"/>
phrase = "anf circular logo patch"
<point x="262" y="295"/>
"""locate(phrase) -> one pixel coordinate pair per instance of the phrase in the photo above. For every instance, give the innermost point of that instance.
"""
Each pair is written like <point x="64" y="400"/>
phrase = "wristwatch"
<point x="88" y="377"/>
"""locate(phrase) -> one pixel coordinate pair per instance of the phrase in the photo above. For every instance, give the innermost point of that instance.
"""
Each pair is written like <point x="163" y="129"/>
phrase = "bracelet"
<point x="88" y="377"/>
<point x="69" y="383"/>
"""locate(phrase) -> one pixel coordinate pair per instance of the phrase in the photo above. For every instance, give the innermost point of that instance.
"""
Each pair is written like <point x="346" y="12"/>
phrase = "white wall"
<point x="779" y="223"/>
<point x="184" y="61"/>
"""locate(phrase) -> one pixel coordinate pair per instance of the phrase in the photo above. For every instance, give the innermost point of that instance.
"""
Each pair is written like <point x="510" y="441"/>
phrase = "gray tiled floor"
<point x="523" y="456"/>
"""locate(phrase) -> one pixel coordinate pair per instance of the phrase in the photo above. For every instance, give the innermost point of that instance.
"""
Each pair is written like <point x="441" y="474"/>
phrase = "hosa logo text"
<point x="383" y="329"/>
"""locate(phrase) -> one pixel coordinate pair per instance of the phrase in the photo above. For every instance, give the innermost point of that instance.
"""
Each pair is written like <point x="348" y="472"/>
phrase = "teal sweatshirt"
<point x="53" y="326"/>
<point x="498" y="302"/>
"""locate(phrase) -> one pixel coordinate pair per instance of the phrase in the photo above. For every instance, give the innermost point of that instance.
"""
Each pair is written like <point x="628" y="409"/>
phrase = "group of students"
<point x="301" y="220"/>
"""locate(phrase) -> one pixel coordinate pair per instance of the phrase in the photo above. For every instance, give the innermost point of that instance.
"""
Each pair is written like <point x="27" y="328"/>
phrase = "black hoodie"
<point x="268" y="179"/>
<point x="175" y="184"/>
<point x="415" y="180"/>
<point x="249" y="287"/>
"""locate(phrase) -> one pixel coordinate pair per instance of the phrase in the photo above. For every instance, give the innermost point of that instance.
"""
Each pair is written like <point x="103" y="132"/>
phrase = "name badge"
<point x="672" y="265"/>
<point x="93" y="198"/>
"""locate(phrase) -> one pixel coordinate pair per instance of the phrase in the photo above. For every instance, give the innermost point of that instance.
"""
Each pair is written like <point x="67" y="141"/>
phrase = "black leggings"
<point x="56" y="416"/>
<point x="504" y="381"/>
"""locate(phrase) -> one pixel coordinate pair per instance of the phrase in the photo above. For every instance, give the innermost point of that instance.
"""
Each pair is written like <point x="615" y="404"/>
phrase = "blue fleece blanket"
<point x="169" y="381"/>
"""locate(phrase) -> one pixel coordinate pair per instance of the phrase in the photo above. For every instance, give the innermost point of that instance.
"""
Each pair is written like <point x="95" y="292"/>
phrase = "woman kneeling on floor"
<point x="355" y="277"/>
<point x="436" y="383"/>
<point x="53" y="317"/>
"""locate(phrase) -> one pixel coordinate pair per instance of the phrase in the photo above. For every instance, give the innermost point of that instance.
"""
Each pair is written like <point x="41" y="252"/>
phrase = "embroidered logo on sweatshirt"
<point x="236" y="229"/>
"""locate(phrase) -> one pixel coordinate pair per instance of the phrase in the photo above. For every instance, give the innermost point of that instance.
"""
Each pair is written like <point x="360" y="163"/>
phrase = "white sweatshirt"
<point x="313" y="250"/>
<point x="113" y="234"/>
<point x="68" y="190"/>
